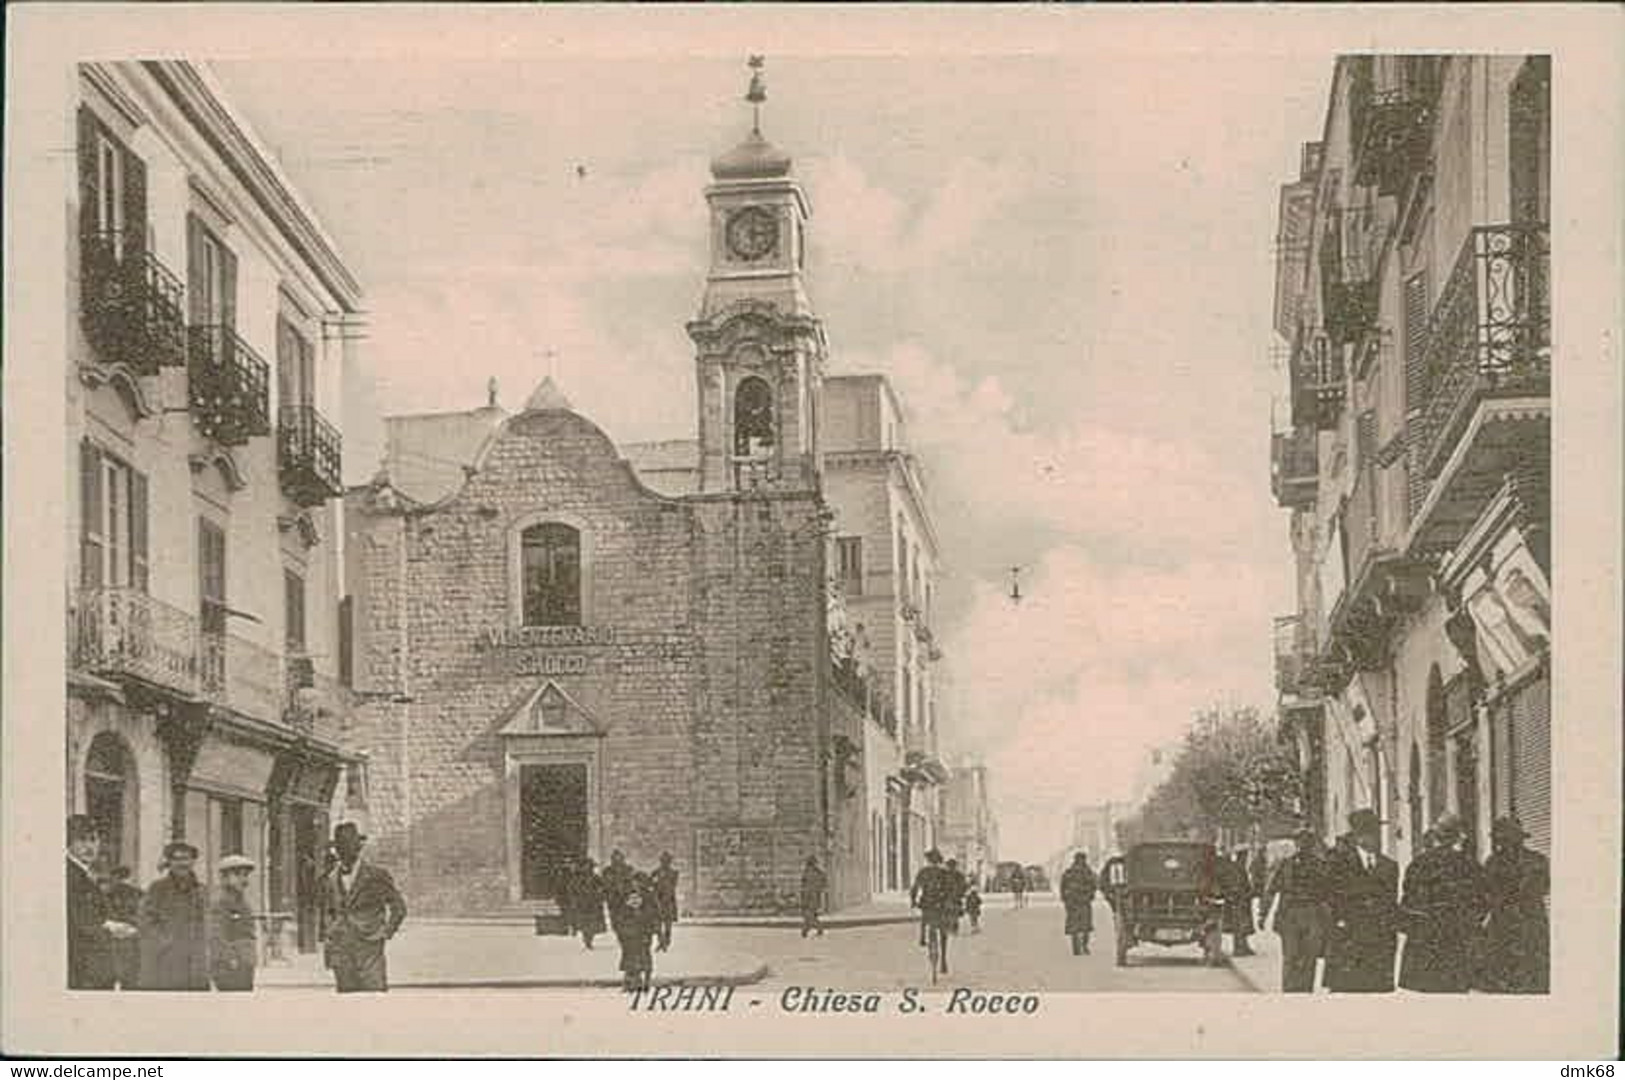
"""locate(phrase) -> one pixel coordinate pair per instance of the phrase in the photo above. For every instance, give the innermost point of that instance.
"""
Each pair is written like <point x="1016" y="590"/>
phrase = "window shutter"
<point x="135" y="203"/>
<point x="307" y="371"/>
<point x="294" y="605"/>
<point x="1531" y="753"/>
<point x="228" y="287"/>
<point x="88" y="192"/>
<point x="138" y="531"/>
<point x="287" y="361"/>
<point x="1416" y="326"/>
<point x="90" y="516"/>
<point x="347" y="641"/>
<point x="197" y="290"/>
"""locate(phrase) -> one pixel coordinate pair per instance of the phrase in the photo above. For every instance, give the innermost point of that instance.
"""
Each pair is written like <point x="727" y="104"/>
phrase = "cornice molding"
<point x="187" y="88"/>
<point x="105" y="83"/>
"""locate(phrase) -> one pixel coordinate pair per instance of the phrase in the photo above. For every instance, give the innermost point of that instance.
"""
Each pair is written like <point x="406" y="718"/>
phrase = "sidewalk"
<point x="441" y="955"/>
<point x="882" y="912"/>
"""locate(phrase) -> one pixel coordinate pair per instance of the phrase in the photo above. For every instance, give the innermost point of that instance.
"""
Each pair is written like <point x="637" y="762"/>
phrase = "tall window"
<point x="211" y="563"/>
<point x="550" y="568"/>
<point x="211" y="273"/>
<point x="231" y="826"/>
<point x="112" y="522"/>
<point x="293" y="606"/>
<point x="902" y="562"/>
<point x="849" y="560"/>
<point x="753" y="418"/>
<point x="295" y="366"/>
<point x="112" y="191"/>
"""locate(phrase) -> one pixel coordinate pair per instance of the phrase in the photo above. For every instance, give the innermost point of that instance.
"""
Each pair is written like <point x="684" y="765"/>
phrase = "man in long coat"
<point x="90" y="923"/>
<point x="363" y="911"/>
<point x="1442" y="903"/>
<point x="1365" y="911"/>
<point x="1517" y="934"/>
<point x="813" y="886"/>
<point x="617" y="880"/>
<point x="664" y="880"/>
<point x="1078" y="896"/>
<point x="174" y="926"/>
<point x="232" y="940"/>
<point x="587" y="902"/>
<point x="1302" y="914"/>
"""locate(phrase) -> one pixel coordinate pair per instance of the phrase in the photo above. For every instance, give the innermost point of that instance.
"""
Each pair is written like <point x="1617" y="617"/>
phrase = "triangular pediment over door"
<point x="548" y="710"/>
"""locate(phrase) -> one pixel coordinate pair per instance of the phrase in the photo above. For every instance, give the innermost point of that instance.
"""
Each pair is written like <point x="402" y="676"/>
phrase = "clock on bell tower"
<point x="759" y="349"/>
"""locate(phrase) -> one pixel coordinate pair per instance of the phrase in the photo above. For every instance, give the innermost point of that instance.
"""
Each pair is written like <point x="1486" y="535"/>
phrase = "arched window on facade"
<point x="112" y="797"/>
<point x="753" y="418"/>
<point x="550" y="565"/>
<point x="1438" y="722"/>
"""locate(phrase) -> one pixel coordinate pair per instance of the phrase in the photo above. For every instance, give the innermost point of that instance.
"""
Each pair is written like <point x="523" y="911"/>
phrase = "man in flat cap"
<point x="92" y="929"/>
<point x="1442" y="903"/>
<point x="363" y="911"/>
<point x="1517" y="934"/>
<point x="1364" y="910"/>
<point x="1301" y="915"/>
<point x="231" y="927"/>
<point x="174" y="934"/>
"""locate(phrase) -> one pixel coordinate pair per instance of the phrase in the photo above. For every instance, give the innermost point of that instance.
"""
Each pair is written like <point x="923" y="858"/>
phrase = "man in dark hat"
<point x="664" y="879"/>
<point x="124" y="905"/>
<point x="1365" y="911"/>
<point x="1442" y="903"/>
<point x="1517" y="934"/>
<point x="174" y="925"/>
<point x="1078" y="886"/>
<point x="617" y="879"/>
<point x="91" y="926"/>
<point x="1301" y="914"/>
<point x="363" y="911"/>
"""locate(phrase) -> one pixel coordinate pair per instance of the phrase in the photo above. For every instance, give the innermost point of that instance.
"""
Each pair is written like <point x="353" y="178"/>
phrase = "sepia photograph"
<point x="717" y="532"/>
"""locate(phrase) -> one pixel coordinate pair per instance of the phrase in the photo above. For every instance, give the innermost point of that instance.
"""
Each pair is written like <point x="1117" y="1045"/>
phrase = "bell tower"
<point x="759" y="349"/>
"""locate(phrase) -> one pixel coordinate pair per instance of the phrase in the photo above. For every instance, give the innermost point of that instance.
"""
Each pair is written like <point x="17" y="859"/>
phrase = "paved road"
<point x="1016" y="950"/>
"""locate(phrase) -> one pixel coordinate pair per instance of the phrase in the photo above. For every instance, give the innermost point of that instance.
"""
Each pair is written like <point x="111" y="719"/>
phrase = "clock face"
<point x="753" y="233"/>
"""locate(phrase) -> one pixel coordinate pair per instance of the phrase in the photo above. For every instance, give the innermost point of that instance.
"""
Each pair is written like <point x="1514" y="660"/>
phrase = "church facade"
<point x="566" y="647"/>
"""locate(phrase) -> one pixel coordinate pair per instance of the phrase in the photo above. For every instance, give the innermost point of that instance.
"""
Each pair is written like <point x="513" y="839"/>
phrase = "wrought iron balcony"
<point x="231" y="399"/>
<point x="314" y="702"/>
<point x="124" y="633"/>
<point x="1294" y="653"/>
<point x="1317" y="383"/>
<point x="132" y="305"/>
<point x="308" y="455"/>
<point x="1390" y="143"/>
<point x="1295" y="467"/>
<point x="1489" y="335"/>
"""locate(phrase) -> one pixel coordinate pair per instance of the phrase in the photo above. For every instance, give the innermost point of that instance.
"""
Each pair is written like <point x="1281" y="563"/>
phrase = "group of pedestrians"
<point x="1466" y="926"/>
<point x="641" y="908"/>
<point x="176" y="935"/>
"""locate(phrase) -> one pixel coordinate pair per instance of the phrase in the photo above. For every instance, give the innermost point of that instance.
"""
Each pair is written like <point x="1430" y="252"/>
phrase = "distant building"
<point x="1094" y="829"/>
<point x="969" y="832"/>
<point x="1412" y="299"/>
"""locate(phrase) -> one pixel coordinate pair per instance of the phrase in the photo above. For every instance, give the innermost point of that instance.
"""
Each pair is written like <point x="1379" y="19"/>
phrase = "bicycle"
<point x="935" y="950"/>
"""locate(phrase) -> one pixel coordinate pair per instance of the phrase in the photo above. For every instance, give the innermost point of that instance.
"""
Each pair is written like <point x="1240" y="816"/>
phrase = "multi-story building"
<point x="208" y="320"/>
<point x="1414" y="457"/>
<point x="1094" y="830"/>
<point x="969" y="832"/>
<point x="886" y="563"/>
<point x="570" y="647"/>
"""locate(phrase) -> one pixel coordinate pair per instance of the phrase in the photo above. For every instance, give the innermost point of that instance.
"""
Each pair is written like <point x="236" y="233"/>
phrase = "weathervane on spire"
<point x="757" y="92"/>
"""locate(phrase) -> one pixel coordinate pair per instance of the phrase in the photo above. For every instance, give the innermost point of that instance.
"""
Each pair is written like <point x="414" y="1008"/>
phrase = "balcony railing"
<point x="1317" y="382"/>
<point x="1391" y="137"/>
<point x="1295" y="467"/>
<point x="126" y="633"/>
<point x="1489" y="334"/>
<point x="1294" y="653"/>
<point x="242" y="676"/>
<point x="864" y="694"/>
<point x="308" y="453"/>
<point x="313" y="702"/>
<point x="132" y="304"/>
<point x="231" y="398"/>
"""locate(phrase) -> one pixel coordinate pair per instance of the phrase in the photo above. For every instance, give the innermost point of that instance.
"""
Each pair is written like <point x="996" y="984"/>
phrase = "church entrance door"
<point x="553" y="824"/>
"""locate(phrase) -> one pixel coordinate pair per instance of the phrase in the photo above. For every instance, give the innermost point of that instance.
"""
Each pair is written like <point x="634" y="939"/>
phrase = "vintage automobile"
<point x="1166" y="893"/>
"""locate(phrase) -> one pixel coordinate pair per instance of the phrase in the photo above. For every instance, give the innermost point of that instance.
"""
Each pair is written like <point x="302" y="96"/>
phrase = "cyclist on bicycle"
<point x="936" y="893"/>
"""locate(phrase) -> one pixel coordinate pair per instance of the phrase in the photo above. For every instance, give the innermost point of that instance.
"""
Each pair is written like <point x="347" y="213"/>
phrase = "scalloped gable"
<point x="548" y="711"/>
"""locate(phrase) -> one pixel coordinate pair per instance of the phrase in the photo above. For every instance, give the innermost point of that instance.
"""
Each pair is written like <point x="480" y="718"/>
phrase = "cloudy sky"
<point x="1064" y="264"/>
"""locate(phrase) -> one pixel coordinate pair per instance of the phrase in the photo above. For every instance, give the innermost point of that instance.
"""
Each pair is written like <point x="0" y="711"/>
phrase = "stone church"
<point x="566" y="647"/>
